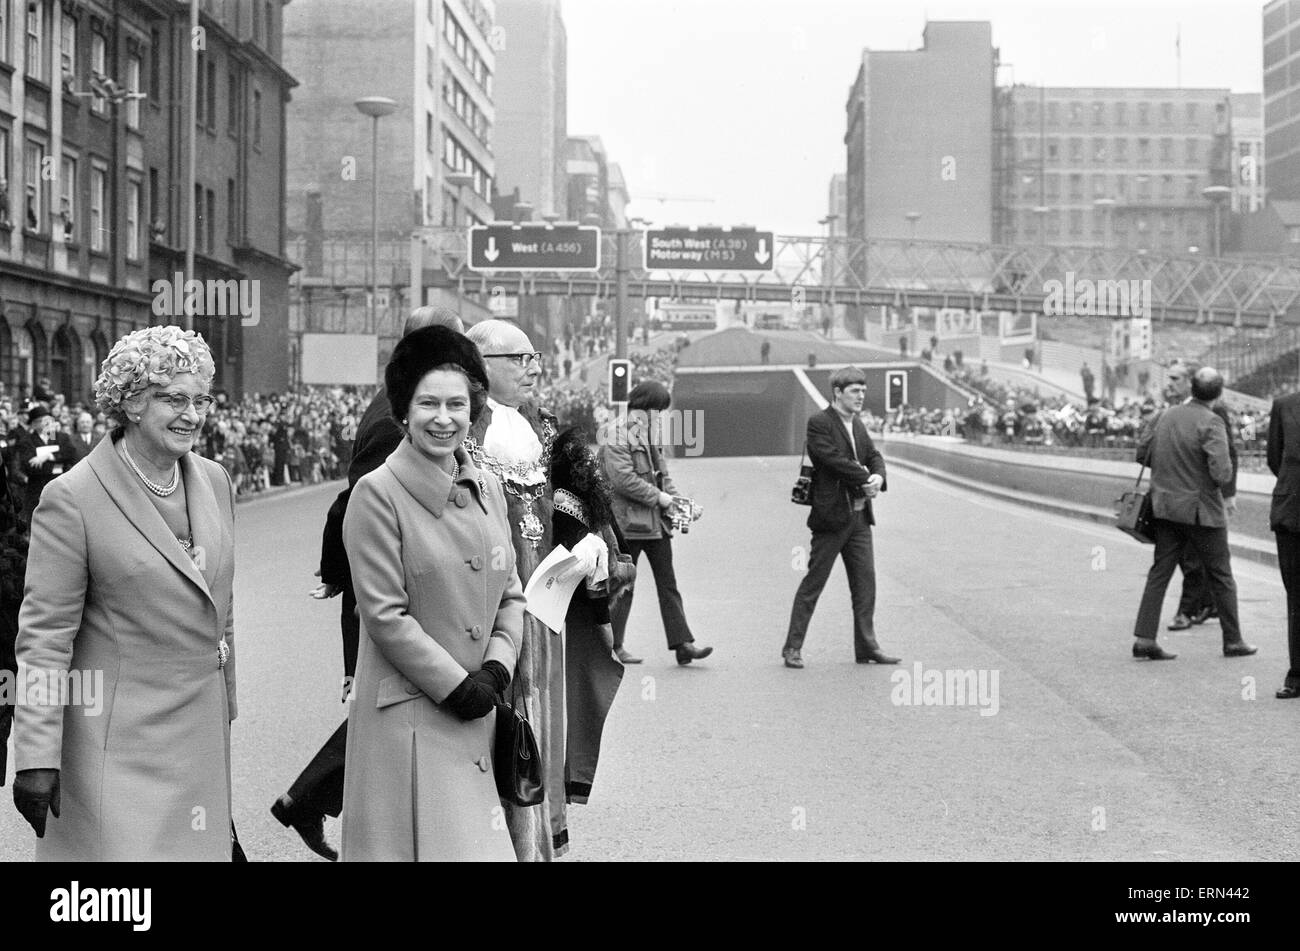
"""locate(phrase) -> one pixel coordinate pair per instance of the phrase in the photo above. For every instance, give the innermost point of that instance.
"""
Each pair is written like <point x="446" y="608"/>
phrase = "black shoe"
<point x="793" y="658"/>
<point x="1239" y="649"/>
<point x="622" y="654"/>
<point x="310" y="827"/>
<point x="1151" y="651"/>
<point x="878" y="657"/>
<point x="688" y="652"/>
<point x="1288" y="692"/>
<point x="1182" y="622"/>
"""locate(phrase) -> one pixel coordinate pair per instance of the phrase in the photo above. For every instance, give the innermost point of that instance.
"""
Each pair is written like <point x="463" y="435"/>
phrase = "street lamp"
<point x="376" y="107"/>
<point x="1217" y="194"/>
<point x="913" y="217"/>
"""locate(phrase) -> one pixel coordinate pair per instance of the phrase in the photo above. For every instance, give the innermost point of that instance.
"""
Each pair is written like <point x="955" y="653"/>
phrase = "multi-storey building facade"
<point x="91" y="137"/>
<point x="1247" y="163"/>
<point x="918" y="138"/>
<point x="437" y="60"/>
<point x="1282" y="98"/>
<point x="1121" y="168"/>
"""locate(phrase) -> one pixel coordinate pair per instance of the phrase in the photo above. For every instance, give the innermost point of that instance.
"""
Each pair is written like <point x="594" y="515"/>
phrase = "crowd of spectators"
<point x="303" y="436"/>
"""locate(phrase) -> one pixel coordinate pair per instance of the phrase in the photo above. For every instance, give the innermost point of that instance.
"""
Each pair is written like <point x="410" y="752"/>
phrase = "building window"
<point x="1076" y="149"/>
<point x="68" y="46"/>
<point x="1053" y="150"/>
<point x="1166" y="113"/>
<point x="257" y="118"/>
<point x="200" y="97"/>
<point x="35" y="38"/>
<point x="1076" y="221"/>
<point x="270" y="27"/>
<point x="1099" y="150"/>
<point x="211" y="242"/>
<point x="1052" y="187"/>
<point x="1144" y="113"/>
<point x="33" y="162"/>
<point x="68" y="198"/>
<point x="1098" y="113"/>
<point x="156" y="224"/>
<point x="1192" y="116"/>
<point x="1166" y="150"/>
<point x="212" y="95"/>
<point x="1143" y="186"/>
<point x="133" y="220"/>
<point x="133" y="67"/>
<point x="5" y="218"/>
<point x="1121" y="113"/>
<point x="1076" y="187"/>
<point x="429" y="60"/>
<point x="1076" y="113"/>
<point x="4" y="32"/>
<point x="428" y="133"/>
<point x="1293" y="234"/>
<point x="1193" y="151"/>
<point x="232" y="213"/>
<point x="98" y="193"/>
<point x="232" y="104"/>
<point x="1166" y="186"/>
<point x="1121" y="150"/>
<point x="155" y="67"/>
<point x="98" y="67"/>
<point x="1191" y="190"/>
<point x="198" y="218"/>
<point x="1144" y="151"/>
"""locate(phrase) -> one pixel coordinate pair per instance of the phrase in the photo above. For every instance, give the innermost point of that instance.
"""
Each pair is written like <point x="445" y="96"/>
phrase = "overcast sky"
<point x="742" y="101"/>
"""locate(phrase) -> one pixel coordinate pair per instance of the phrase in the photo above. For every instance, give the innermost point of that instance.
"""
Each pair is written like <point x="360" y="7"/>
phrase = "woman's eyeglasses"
<point x="179" y="402"/>
<point x="520" y="359"/>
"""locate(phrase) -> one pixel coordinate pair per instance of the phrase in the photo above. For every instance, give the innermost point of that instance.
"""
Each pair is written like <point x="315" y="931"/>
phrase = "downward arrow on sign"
<point x="492" y="253"/>
<point x="761" y="254"/>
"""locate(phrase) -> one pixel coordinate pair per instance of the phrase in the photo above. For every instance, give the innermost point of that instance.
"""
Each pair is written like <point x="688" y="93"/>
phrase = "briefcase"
<point x="1134" y="515"/>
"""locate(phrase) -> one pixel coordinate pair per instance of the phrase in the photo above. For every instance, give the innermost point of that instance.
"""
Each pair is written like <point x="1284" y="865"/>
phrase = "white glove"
<point x="592" y="555"/>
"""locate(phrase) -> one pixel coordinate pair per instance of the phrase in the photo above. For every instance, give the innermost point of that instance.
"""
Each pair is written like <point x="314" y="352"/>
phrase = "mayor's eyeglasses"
<point x="520" y="359"/>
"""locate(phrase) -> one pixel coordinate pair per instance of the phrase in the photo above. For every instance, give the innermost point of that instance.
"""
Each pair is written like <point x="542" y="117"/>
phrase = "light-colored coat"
<point x="630" y="463"/>
<point x="434" y="572"/>
<point x="1187" y="451"/>
<point x="110" y="589"/>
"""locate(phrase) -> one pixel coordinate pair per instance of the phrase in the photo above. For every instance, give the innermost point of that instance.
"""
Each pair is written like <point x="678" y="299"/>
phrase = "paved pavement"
<point x="1090" y="755"/>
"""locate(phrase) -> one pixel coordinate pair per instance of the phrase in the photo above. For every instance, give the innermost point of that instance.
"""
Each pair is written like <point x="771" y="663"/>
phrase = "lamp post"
<point x="376" y="107"/>
<point x="913" y="217"/>
<point x="1217" y="194"/>
<point x="191" y="127"/>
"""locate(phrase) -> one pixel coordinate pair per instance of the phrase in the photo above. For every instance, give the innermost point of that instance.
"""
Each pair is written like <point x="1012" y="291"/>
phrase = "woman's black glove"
<point x="494" y="675"/>
<point x="36" y="792"/>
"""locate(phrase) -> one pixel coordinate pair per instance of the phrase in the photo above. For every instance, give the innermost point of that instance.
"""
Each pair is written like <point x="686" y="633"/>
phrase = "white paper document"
<point x="46" y="453"/>
<point x="546" y="597"/>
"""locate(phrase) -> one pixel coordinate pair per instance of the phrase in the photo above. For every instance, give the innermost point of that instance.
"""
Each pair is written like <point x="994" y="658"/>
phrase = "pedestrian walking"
<point x="130" y="574"/>
<point x="1284" y="520"/>
<point x="1187" y="452"/>
<point x="848" y="472"/>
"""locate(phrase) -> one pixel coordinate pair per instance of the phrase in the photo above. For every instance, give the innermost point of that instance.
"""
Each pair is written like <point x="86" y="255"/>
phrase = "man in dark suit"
<point x="1187" y="451"/>
<point x="318" y="790"/>
<point x="848" y="471"/>
<point x="83" y="440"/>
<point x="43" y="455"/>
<point x="1284" y="520"/>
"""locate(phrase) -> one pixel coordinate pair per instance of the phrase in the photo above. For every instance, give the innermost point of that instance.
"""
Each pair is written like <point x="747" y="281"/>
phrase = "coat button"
<point x="483" y="763"/>
<point x="412" y="689"/>
<point x="462" y="499"/>
<point x="476" y="562"/>
<point x="476" y="632"/>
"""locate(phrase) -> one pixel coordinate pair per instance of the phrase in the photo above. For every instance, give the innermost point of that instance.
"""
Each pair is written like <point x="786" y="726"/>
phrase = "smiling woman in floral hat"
<point x="129" y="597"/>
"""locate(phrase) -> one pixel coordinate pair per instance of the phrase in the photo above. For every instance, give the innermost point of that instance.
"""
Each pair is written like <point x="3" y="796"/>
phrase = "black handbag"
<point x="515" y="757"/>
<point x="801" y="494"/>
<point x="1134" y="514"/>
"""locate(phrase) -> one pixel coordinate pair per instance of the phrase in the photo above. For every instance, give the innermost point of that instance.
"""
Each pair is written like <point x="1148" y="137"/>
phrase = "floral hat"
<point x="147" y="357"/>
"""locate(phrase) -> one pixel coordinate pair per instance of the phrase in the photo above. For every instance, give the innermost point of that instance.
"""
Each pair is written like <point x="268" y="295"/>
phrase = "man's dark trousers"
<point x="1211" y="546"/>
<point x="659" y="552"/>
<point x="853" y="541"/>
<point x="1196" y="586"/>
<point x="1288" y="562"/>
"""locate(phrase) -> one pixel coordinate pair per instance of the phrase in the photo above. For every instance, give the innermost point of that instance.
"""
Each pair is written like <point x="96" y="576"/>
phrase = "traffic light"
<point x="895" y="389"/>
<point x="620" y="380"/>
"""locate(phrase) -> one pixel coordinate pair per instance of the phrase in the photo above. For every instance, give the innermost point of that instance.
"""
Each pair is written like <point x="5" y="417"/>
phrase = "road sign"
<point x="708" y="249"/>
<point x="534" y="247"/>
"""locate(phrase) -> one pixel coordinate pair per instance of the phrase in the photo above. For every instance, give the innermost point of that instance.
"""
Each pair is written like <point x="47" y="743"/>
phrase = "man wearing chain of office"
<point x="513" y="438"/>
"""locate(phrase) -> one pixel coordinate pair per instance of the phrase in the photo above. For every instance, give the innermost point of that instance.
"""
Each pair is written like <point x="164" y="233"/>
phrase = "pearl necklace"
<point x="455" y="470"/>
<point x="162" y="491"/>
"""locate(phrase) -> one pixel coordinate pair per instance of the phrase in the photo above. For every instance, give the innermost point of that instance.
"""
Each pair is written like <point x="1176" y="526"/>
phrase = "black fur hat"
<point x="421" y="351"/>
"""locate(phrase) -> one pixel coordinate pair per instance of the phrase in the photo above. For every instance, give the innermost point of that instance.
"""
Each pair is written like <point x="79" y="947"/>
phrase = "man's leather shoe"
<point x="1151" y="651"/>
<point x="310" y="827"/>
<point x="1203" y="615"/>
<point x="878" y="657"/>
<point x="1181" y="623"/>
<point x="793" y="658"/>
<point x="1239" y="649"/>
<point x="688" y="652"/>
<point x="622" y="654"/>
<point x="1288" y="692"/>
